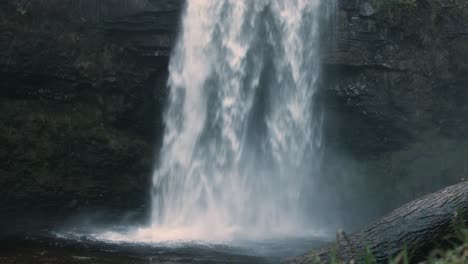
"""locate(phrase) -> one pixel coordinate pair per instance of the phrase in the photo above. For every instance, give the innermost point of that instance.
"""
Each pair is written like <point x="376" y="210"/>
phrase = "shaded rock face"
<point x="82" y="84"/>
<point x="395" y="95"/>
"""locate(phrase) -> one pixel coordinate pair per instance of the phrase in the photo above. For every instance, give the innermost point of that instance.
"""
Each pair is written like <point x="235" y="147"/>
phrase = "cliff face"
<point x="396" y="97"/>
<point x="82" y="84"/>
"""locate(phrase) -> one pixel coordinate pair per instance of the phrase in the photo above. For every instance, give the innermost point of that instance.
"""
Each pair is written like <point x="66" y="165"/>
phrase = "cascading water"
<point x="243" y="135"/>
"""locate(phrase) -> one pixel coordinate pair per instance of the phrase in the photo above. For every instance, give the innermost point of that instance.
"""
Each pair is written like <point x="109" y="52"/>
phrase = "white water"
<point x="243" y="136"/>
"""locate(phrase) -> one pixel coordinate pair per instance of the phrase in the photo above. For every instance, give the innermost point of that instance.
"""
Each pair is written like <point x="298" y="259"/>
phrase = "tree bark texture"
<point x="418" y="226"/>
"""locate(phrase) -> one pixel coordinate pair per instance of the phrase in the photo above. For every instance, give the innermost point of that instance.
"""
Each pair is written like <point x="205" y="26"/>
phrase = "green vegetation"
<point x="456" y="254"/>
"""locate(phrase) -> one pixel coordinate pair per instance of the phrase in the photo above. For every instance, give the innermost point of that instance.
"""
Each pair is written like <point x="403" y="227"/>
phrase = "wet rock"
<point x="81" y="97"/>
<point x="366" y="9"/>
<point x="83" y="86"/>
<point x="393" y="92"/>
<point x="396" y="63"/>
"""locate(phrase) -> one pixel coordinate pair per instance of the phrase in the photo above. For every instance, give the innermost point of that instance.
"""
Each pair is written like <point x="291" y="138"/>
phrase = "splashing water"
<point x="243" y="135"/>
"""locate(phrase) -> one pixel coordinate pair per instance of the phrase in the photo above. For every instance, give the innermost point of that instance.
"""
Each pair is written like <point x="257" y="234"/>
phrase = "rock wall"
<point x="82" y="84"/>
<point x="396" y="96"/>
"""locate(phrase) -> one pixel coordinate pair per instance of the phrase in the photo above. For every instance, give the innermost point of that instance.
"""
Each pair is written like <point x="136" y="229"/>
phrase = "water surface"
<point x="49" y="248"/>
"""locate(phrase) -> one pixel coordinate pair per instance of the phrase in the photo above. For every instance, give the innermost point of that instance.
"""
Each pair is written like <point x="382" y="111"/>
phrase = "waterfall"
<point x="242" y="142"/>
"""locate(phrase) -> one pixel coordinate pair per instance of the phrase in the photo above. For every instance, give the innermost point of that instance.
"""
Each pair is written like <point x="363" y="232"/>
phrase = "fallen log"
<point x="418" y="226"/>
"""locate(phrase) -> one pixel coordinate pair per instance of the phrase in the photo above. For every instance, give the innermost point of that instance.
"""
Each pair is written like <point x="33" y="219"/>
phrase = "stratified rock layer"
<point x="82" y="84"/>
<point x="82" y="87"/>
<point x="396" y="100"/>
